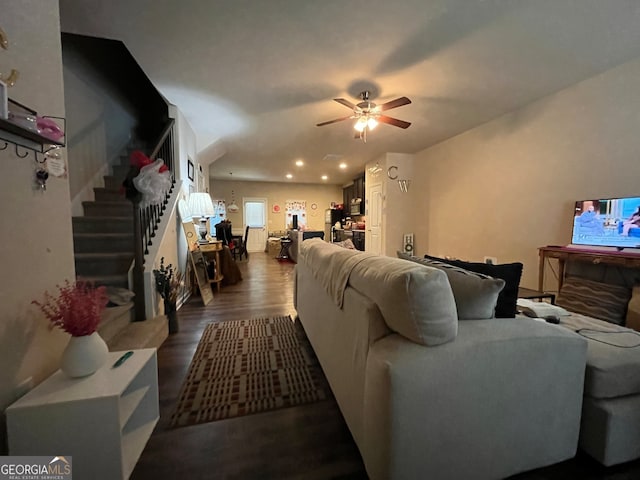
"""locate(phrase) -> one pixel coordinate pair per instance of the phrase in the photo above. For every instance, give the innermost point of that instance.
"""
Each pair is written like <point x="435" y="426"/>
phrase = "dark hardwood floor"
<point x="304" y="442"/>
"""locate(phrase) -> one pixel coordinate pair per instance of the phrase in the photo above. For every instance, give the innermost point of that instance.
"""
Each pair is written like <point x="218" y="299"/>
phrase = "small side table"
<point x="285" y="244"/>
<point x="535" y="295"/>
<point x="213" y="248"/>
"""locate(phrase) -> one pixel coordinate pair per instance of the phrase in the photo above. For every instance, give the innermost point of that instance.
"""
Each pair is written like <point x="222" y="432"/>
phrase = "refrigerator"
<point x="331" y="216"/>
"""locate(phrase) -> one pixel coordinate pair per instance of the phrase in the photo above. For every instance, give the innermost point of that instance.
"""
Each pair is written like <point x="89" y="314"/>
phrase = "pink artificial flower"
<point x="77" y="309"/>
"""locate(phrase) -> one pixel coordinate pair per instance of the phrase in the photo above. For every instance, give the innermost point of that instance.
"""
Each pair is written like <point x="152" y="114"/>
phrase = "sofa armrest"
<point x="504" y="397"/>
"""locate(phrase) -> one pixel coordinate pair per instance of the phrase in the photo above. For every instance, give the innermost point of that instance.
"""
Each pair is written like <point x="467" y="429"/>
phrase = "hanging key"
<point x="41" y="178"/>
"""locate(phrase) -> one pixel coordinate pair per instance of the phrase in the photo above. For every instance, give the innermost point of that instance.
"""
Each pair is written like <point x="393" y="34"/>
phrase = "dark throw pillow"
<point x="509" y="272"/>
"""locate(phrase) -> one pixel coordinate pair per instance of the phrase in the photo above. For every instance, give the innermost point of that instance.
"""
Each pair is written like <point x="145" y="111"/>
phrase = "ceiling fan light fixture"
<point x="367" y="114"/>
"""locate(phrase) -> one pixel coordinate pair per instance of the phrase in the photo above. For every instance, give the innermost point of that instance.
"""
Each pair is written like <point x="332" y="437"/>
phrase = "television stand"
<point x="562" y="254"/>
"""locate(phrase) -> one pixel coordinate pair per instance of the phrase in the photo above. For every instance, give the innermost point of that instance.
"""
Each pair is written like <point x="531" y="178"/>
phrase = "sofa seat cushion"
<point x="613" y="356"/>
<point x="476" y="294"/>
<point x="416" y="301"/>
<point x="612" y="371"/>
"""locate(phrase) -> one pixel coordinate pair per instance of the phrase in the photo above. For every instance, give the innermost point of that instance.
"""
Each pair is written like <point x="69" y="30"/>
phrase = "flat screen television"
<point x="609" y="222"/>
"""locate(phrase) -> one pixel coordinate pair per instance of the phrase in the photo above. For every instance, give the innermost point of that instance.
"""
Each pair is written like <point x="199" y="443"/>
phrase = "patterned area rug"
<point x="249" y="366"/>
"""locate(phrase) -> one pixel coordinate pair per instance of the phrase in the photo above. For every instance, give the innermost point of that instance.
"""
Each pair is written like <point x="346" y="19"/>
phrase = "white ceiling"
<point x="253" y="77"/>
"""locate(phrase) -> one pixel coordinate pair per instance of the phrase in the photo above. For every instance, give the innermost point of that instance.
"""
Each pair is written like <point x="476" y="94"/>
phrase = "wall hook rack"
<point x="23" y="155"/>
<point x="26" y="140"/>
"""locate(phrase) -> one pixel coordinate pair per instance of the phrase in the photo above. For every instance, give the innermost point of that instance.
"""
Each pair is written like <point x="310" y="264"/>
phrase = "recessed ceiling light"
<point x="299" y="163"/>
<point x="289" y="175"/>
<point x="324" y="177"/>
<point x="343" y="165"/>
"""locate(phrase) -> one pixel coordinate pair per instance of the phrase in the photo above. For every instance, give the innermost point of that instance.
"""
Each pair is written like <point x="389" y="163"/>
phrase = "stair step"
<point x="113" y="183"/>
<point x="109" y="195"/>
<point x="150" y="333"/>
<point x="120" y="171"/>
<point x="102" y="264"/>
<point x="102" y="242"/>
<point x="108" y="209"/>
<point x="100" y="224"/>
<point x="120" y="280"/>
<point x="114" y="320"/>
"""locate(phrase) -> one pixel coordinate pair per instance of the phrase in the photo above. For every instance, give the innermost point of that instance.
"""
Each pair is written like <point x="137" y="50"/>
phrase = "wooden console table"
<point x="562" y="254"/>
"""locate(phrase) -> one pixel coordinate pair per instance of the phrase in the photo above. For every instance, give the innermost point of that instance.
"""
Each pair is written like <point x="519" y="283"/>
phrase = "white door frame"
<point x="257" y="235"/>
<point x="373" y="235"/>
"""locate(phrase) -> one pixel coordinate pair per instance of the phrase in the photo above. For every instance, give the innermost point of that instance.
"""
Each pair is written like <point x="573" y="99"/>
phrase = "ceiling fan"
<point x="368" y="114"/>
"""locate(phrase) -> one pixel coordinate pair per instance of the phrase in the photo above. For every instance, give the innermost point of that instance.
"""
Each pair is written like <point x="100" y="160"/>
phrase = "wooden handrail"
<point x="147" y="219"/>
<point x="168" y="129"/>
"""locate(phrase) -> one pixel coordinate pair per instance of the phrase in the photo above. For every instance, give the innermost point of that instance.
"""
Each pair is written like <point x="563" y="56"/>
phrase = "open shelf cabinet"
<point x="102" y="421"/>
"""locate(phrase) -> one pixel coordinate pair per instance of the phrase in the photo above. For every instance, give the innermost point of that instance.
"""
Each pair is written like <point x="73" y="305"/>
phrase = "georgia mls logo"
<point x="59" y="465"/>
<point x="35" y="468"/>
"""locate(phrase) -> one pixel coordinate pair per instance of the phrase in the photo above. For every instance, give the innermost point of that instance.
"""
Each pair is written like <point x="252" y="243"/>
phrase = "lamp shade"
<point x="183" y="210"/>
<point x="200" y="205"/>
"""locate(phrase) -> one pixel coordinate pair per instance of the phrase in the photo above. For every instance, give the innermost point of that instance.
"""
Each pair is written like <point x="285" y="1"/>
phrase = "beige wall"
<point x="37" y="243"/>
<point x="278" y="193"/>
<point x="507" y="187"/>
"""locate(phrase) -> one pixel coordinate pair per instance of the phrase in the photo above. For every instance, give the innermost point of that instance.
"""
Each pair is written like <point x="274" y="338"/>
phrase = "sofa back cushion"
<point x="416" y="301"/>
<point x="594" y="299"/>
<point x="476" y="294"/>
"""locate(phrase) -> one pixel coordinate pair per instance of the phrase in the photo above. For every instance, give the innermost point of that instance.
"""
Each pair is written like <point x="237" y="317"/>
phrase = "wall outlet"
<point x="491" y="260"/>
<point x="407" y="243"/>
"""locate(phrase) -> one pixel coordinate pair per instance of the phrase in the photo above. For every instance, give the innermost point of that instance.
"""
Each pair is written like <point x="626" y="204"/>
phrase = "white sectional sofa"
<point x="426" y="395"/>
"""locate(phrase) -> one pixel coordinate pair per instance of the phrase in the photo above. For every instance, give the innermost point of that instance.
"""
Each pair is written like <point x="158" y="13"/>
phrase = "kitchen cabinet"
<point x="358" y="186"/>
<point x="347" y="196"/>
<point x="352" y="192"/>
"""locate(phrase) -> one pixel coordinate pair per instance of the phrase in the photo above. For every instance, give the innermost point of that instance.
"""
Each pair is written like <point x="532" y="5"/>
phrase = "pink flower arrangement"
<point x="77" y="308"/>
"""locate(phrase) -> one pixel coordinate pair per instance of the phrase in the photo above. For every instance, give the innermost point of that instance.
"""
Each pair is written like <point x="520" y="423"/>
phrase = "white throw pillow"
<point x="476" y="294"/>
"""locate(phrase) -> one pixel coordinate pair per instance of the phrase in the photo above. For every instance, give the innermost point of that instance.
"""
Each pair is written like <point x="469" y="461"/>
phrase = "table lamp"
<point x="200" y="205"/>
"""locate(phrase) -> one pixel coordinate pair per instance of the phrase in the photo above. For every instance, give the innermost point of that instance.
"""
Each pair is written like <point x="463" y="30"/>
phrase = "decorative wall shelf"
<point x="27" y="139"/>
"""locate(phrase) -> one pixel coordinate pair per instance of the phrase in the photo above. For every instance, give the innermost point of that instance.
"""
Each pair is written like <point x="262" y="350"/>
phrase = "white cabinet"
<point x="102" y="421"/>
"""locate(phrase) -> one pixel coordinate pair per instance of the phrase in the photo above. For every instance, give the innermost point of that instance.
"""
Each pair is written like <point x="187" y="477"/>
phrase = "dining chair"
<point x="240" y="248"/>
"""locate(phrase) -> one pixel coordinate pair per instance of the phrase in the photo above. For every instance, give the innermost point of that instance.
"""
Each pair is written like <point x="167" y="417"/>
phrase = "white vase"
<point x="84" y="355"/>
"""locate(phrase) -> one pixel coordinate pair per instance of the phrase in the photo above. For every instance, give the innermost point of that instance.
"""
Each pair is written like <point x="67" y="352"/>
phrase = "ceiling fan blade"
<point x="393" y="121"/>
<point x="346" y="103"/>
<point x="333" y="121"/>
<point x="398" y="102"/>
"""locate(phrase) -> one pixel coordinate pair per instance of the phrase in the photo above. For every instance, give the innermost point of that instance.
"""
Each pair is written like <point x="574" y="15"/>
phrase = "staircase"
<point x="103" y="243"/>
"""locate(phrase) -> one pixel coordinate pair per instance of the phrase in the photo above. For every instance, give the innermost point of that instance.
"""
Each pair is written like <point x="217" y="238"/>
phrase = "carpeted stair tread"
<point x="104" y="255"/>
<point x="95" y="278"/>
<point x="118" y="280"/>
<point x="122" y="218"/>
<point x="103" y="235"/>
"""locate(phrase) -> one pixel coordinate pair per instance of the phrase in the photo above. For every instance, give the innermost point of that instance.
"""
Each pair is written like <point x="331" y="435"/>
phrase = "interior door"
<point x="255" y="216"/>
<point x="373" y="235"/>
